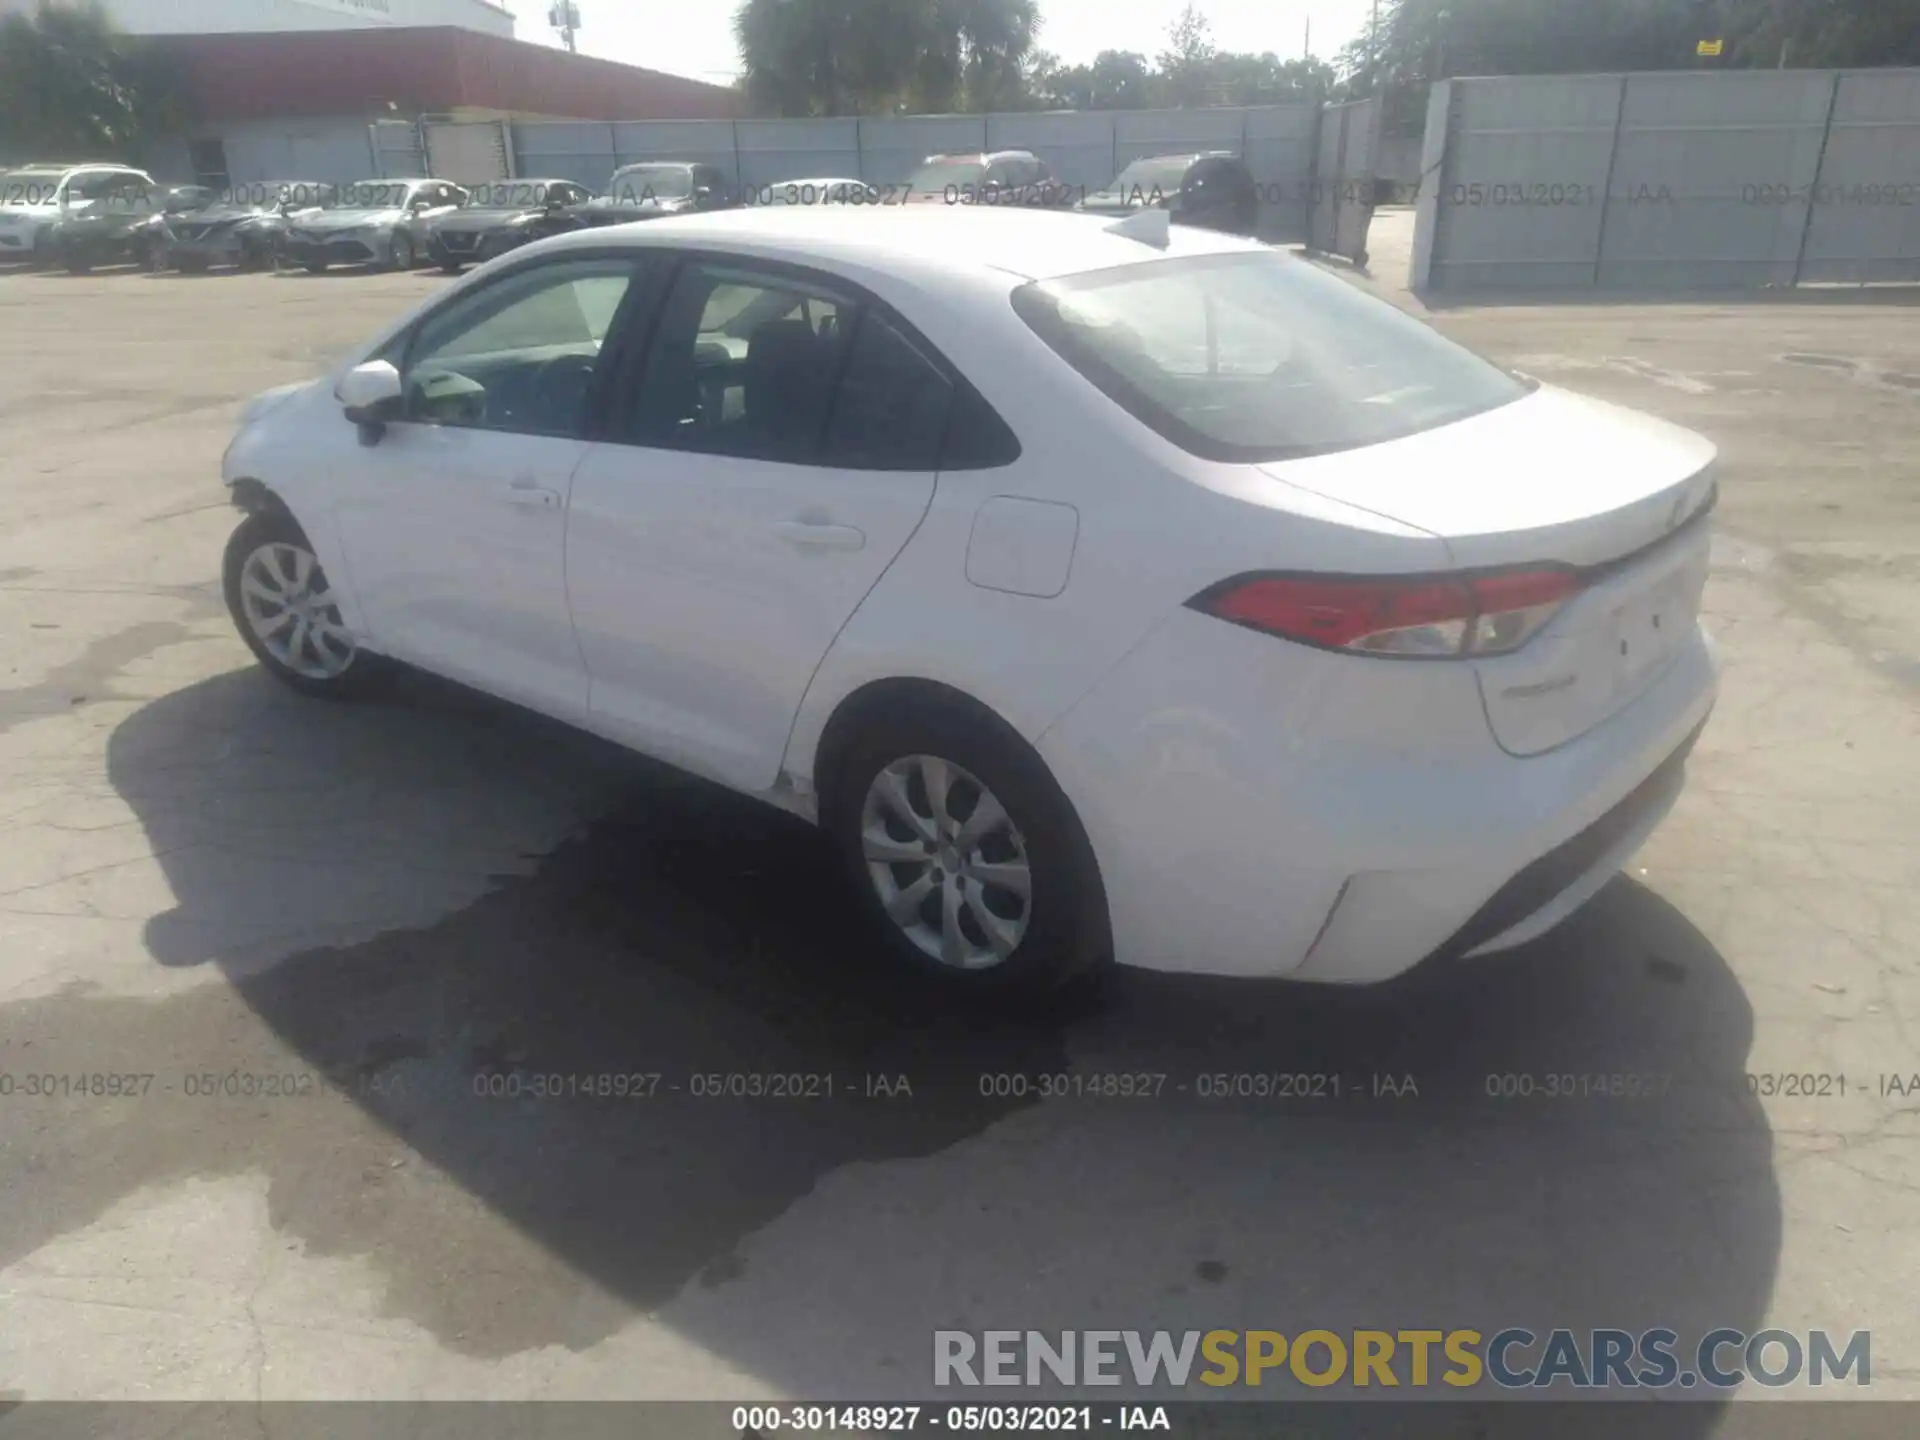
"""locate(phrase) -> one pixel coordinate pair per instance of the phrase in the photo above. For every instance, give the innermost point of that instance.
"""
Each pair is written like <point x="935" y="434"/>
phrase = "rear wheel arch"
<point x="905" y="694"/>
<point x="895" y="719"/>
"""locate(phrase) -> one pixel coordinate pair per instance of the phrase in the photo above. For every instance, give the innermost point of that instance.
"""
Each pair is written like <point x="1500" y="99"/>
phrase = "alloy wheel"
<point x="947" y="862"/>
<point x="291" y="610"/>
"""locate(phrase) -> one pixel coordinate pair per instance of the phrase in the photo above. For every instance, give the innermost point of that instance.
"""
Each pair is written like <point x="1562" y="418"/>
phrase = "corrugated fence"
<point x="1082" y="149"/>
<point x="1742" y="179"/>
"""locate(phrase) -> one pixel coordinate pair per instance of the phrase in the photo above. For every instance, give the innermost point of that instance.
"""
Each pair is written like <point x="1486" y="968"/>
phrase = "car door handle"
<point x="815" y="536"/>
<point x="532" y="496"/>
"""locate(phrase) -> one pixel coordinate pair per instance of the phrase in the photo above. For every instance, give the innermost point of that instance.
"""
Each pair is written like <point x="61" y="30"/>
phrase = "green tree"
<point x="843" y="57"/>
<point x="1116" y="80"/>
<point x="1187" y="64"/>
<point x="71" y="85"/>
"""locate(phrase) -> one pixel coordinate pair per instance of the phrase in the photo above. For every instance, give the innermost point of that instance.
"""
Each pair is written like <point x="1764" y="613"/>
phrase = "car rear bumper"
<point x="1339" y="819"/>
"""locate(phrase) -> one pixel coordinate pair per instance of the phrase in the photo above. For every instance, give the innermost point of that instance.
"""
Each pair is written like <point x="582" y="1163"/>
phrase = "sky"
<point x="695" y="37"/>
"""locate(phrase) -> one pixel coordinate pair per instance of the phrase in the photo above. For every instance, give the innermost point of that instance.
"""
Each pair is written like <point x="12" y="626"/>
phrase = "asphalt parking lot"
<point x="392" y="908"/>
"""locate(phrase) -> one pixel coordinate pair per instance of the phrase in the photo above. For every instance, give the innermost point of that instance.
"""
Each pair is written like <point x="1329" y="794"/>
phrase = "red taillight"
<point x="1426" y="617"/>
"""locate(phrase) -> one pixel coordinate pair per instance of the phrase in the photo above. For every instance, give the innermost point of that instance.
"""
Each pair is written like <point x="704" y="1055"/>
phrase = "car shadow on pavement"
<point x="1460" y="1154"/>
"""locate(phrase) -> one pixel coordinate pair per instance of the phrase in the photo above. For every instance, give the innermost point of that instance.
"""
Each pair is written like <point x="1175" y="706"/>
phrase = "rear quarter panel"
<point x="1155" y="527"/>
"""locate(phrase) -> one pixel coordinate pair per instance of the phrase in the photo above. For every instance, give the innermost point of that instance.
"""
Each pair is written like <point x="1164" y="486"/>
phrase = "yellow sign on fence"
<point x="1707" y="47"/>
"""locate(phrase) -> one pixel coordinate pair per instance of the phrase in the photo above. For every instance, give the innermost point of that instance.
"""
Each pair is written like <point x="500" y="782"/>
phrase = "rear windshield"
<point x="1163" y="173"/>
<point x="1251" y="357"/>
<point x="938" y="175"/>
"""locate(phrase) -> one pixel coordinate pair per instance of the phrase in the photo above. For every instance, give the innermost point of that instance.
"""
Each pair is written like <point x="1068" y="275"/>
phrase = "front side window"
<point x="520" y="354"/>
<point x="1252" y="357"/>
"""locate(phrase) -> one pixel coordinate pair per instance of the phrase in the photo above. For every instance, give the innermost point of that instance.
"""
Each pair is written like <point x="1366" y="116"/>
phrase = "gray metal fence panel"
<point x="1688" y="168"/>
<point x="1082" y="149"/>
<point x="1277" y="143"/>
<point x="1672" y="180"/>
<point x="395" y="149"/>
<point x="775" y="150"/>
<point x="564" y="150"/>
<point x="1077" y="146"/>
<point x="1865" y="224"/>
<point x="893" y="147"/>
<point x="1509" y="141"/>
<point x="1341" y="203"/>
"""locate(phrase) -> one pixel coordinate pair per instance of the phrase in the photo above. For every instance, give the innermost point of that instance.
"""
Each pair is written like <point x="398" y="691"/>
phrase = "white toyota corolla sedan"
<point x="1101" y="590"/>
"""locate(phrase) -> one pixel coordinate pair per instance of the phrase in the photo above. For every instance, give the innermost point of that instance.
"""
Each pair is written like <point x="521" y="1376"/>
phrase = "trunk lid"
<point x="1554" y="478"/>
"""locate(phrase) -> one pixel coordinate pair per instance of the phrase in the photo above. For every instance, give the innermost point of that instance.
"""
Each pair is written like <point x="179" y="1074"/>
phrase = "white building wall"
<point x="212" y="17"/>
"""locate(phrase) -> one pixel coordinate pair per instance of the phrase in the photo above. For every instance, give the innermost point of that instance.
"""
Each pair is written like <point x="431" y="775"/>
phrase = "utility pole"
<point x="1306" y="42"/>
<point x="564" y="16"/>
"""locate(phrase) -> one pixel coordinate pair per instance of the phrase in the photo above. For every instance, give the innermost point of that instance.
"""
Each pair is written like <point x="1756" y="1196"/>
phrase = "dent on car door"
<point x="454" y="524"/>
<point x="714" y="556"/>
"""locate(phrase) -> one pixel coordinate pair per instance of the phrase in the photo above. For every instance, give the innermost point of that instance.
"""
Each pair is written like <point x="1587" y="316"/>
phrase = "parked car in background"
<point x="1214" y="190"/>
<point x="173" y="200"/>
<point x="244" y="226"/>
<point x="653" y="188"/>
<point x="1100" y="588"/>
<point x="998" y="177"/>
<point x="77" y="215"/>
<point x="502" y="214"/>
<point x="372" y="222"/>
<point x="828" y="190"/>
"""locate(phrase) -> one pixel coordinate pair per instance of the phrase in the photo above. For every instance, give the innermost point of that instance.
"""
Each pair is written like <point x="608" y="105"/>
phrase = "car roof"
<point x="982" y="157"/>
<point x="915" y="240"/>
<point x="658" y="165"/>
<point x="63" y="168"/>
<point x="1185" y="157"/>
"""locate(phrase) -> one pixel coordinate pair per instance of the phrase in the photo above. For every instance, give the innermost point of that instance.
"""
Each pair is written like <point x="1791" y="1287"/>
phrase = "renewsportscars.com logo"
<point x="1511" y="1359"/>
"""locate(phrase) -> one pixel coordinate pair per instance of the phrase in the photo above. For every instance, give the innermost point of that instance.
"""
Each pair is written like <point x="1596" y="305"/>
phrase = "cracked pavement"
<point x="386" y="908"/>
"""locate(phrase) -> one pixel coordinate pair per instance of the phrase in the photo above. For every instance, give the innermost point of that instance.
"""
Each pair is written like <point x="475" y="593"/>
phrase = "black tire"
<point x="364" y="672"/>
<point x="451" y="267"/>
<point x="400" y="251"/>
<point x="76" y="259"/>
<point x="192" y="264"/>
<point x="1066" y="932"/>
<point x="315" y="267"/>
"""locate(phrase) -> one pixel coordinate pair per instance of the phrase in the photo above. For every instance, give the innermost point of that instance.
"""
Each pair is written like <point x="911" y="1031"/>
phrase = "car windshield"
<point x="1163" y="173"/>
<point x="637" y="184"/>
<point x="30" y="187"/>
<point x="937" y="175"/>
<point x="1255" y="357"/>
<point x="369" y="195"/>
<point x="817" y="192"/>
<point x="515" y="194"/>
<point x="267" y="194"/>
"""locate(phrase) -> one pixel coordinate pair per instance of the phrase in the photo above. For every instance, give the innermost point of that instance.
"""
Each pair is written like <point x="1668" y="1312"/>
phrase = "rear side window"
<point x="891" y="410"/>
<point x="1255" y="356"/>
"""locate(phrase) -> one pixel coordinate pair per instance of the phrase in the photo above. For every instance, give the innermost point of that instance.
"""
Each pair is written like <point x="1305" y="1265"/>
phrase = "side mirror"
<point x="703" y="193"/>
<point x="370" y="395"/>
